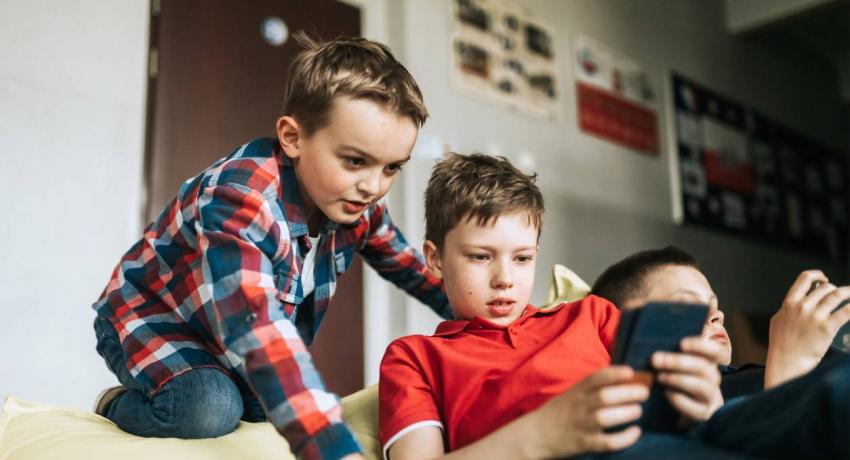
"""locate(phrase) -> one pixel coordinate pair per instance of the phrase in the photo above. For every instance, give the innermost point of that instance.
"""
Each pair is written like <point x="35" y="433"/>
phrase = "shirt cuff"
<point x="332" y="443"/>
<point x="406" y="430"/>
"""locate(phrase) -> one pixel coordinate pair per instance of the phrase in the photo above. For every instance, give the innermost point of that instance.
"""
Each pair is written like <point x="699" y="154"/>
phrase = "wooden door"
<point x="216" y="81"/>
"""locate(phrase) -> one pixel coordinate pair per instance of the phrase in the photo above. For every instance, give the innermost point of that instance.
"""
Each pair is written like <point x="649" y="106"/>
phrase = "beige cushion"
<point x="31" y="430"/>
<point x="360" y="411"/>
<point x="565" y="286"/>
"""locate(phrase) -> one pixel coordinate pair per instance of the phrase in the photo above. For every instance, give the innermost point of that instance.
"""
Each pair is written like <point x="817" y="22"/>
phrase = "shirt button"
<point x="251" y="318"/>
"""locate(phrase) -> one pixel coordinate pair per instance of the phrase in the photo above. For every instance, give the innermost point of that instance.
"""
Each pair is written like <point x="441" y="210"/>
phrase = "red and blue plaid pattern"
<point x="215" y="281"/>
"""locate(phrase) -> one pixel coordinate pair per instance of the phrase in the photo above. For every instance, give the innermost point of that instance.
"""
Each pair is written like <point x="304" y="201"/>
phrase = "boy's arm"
<point x="239" y="238"/>
<point x="804" y="327"/>
<point x="569" y="424"/>
<point x="388" y="252"/>
<point x="407" y="404"/>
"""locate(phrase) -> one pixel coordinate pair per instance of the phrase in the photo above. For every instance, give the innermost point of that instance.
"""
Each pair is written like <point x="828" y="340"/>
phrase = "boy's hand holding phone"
<point x="599" y="413"/>
<point x="580" y="420"/>
<point x="662" y="342"/>
<point x="803" y="329"/>
<point x="691" y="378"/>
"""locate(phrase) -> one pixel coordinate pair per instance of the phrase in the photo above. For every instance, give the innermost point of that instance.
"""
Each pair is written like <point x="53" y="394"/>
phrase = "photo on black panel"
<point x="538" y="41"/>
<point x="511" y="22"/>
<point x="472" y="14"/>
<point x="544" y="83"/>
<point x="473" y="59"/>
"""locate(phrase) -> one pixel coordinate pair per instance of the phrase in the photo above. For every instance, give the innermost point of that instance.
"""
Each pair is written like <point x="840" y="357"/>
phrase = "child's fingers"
<point x="830" y="302"/>
<point x="608" y="442"/>
<point x="802" y="285"/>
<point x="698" y="387"/>
<point x="815" y="299"/>
<point x="686" y="363"/>
<point x="605" y="377"/>
<point x="613" y="395"/>
<point x="702" y="346"/>
<point x="689" y="407"/>
<point x="840" y="317"/>
<point x="615" y="415"/>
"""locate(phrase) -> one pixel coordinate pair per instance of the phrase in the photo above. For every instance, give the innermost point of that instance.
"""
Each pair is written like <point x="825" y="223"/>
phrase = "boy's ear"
<point x="290" y="136"/>
<point x="432" y="258"/>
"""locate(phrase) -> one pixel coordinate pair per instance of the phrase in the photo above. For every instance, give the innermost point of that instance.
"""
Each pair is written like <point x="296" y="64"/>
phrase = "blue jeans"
<point x="200" y="403"/>
<point x="806" y="418"/>
<point x="666" y="446"/>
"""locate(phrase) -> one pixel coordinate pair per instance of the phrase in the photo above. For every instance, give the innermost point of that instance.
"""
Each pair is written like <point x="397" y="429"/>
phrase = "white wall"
<point x="72" y="91"/>
<point x="604" y="201"/>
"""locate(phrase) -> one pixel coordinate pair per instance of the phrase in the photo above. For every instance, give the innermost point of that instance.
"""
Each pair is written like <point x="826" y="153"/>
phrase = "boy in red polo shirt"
<point x="505" y="379"/>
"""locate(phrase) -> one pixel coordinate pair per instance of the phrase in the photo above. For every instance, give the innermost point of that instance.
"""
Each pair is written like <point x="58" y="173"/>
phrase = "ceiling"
<point x="819" y="27"/>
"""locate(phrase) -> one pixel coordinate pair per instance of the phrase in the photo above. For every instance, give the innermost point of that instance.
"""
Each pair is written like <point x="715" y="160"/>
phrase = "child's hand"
<point x="804" y="327"/>
<point x="573" y="422"/>
<point x="692" y="378"/>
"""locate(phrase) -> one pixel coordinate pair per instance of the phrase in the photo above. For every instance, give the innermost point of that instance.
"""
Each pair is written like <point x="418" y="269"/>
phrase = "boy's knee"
<point x="204" y="403"/>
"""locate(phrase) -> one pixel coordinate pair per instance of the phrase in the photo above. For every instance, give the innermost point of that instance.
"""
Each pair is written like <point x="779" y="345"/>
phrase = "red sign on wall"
<point x="617" y="119"/>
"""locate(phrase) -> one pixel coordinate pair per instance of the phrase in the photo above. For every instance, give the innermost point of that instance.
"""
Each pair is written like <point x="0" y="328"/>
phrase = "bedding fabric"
<point x="32" y="430"/>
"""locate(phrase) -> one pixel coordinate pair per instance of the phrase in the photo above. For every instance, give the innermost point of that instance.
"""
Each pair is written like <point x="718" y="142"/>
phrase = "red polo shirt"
<point x="472" y="377"/>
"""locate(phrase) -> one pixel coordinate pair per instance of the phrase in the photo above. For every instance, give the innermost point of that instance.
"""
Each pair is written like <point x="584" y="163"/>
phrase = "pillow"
<point x="31" y="430"/>
<point x="360" y="411"/>
<point x="565" y="286"/>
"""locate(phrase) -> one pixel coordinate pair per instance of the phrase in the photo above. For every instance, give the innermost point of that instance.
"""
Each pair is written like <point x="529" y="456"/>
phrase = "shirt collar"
<point x="290" y="196"/>
<point x="451" y="327"/>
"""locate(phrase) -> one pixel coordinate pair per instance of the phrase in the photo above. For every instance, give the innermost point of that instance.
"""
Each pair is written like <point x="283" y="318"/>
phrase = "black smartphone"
<point x="657" y="326"/>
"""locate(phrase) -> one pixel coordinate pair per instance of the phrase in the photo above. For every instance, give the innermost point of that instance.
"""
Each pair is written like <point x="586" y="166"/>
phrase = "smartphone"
<point x="657" y="326"/>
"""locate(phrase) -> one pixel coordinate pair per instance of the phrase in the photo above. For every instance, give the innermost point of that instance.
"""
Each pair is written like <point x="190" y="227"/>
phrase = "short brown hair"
<point x="625" y="279"/>
<point x="350" y="66"/>
<point x="481" y="187"/>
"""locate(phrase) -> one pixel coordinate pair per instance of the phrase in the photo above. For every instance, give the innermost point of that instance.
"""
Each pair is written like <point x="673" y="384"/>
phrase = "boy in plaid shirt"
<point x="206" y="318"/>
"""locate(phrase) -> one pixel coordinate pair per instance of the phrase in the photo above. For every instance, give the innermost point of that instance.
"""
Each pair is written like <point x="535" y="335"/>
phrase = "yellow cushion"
<point x="565" y="286"/>
<point x="360" y="411"/>
<point x="31" y="430"/>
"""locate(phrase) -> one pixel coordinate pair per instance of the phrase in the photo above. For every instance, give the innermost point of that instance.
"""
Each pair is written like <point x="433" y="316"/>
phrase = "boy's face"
<point x="488" y="271"/>
<point x="681" y="283"/>
<point x="349" y="164"/>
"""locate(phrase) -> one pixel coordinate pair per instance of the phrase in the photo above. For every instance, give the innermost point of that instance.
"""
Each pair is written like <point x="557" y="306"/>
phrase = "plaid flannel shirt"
<point x="215" y="281"/>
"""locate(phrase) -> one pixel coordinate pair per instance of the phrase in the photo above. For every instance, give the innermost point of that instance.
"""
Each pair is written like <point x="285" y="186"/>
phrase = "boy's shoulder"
<point x="254" y="165"/>
<point x="408" y="342"/>
<point x="590" y="303"/>
<point x="417" y="346"/>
